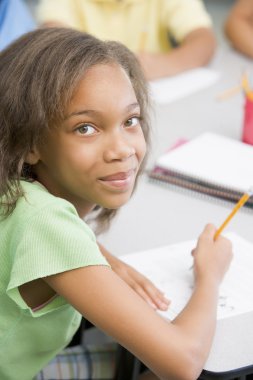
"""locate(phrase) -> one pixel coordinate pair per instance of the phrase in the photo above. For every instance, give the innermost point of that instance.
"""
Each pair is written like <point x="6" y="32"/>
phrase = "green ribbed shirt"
<point x="43" y="236"/>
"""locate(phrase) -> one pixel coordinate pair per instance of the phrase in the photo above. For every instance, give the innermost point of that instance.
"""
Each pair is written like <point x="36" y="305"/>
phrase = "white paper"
<point x="213" y="158"/>
<point x="169" y="267"/>
<point x="167" y="90"/>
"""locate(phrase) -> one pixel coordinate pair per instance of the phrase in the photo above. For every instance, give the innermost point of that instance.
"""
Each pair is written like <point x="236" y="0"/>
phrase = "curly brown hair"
<point x="38" y="75"/>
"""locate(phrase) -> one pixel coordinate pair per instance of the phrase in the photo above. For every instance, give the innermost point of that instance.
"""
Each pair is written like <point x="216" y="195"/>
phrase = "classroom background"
<point x="166" y="215"/>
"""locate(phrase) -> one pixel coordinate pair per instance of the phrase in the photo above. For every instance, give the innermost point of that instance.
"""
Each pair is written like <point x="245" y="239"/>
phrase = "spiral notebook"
<point x="211" y="164"/>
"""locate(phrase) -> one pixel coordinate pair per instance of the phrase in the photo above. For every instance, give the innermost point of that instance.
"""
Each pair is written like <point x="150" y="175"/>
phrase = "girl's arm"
<point x="239" y="27"/>
<point x="176" y="350"/>
<point x="139" y="283"/>
<point x="196" y="50"/>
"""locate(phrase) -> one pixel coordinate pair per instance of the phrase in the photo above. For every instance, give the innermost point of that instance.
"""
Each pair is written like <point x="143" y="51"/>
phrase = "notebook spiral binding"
<point x="196" y="187"/>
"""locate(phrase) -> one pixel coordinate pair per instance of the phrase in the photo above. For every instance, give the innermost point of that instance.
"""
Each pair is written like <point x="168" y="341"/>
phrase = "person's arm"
<point x="239" y="27"/>
<point x="138" y="282"/>
<point x="176" y="350"/>
<point x="195" y="50"/>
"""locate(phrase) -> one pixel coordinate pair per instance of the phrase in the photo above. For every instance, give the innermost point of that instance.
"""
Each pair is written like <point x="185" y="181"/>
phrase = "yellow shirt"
<point x="139" y="24"/>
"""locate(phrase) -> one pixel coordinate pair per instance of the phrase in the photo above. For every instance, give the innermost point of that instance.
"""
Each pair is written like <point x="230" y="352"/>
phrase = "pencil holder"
<point x="247" y="133"/>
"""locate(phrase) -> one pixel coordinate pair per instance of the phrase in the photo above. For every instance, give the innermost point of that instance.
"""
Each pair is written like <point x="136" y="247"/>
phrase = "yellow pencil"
<point x="238" y="205"/>
<point x="246" y="87"/>
<point x="230" y="92"/>
<point x="243" y="85"/>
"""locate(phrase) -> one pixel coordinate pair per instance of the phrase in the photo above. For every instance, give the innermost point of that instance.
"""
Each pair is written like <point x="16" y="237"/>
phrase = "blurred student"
<point x="15" y="20"/>
<point x="239" y="26"/>
<point x="147" y="27"/>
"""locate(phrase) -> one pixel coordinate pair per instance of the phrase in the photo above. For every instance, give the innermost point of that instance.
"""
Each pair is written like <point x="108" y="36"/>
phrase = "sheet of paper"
<point x="169" y="267"/>
<point x="167" y="90"/>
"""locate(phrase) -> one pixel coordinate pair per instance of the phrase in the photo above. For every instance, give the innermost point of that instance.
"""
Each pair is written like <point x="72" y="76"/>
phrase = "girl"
<point x="73" y="135"/>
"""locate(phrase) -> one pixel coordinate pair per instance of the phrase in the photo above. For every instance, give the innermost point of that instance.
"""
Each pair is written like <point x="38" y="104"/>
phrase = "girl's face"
<point x="93" y="157"/>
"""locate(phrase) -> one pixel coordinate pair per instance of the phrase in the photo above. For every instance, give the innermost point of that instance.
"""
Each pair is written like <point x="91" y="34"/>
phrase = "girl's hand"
<point x="211" y="258"/>
<point x="137" y="281"/>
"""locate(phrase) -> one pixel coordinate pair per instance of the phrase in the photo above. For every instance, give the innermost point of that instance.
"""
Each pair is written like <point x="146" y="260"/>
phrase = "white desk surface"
<point x="159" y="215"/>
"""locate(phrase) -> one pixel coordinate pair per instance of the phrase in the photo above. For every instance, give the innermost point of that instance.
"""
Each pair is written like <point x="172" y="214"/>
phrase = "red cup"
<point x="247" y="133"/>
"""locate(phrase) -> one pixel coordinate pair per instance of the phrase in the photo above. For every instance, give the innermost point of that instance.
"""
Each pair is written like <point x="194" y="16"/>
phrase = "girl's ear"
<point x="32" y="157"/>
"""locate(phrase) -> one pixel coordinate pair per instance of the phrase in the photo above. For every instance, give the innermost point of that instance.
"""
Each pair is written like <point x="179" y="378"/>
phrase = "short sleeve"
<point x="53" y="241"/>
<point x="184" y="16"/>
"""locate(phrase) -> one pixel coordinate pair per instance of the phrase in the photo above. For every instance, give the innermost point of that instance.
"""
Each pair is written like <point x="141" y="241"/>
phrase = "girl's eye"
<point x="132" y="122"/>
<point x="86" y="129"/>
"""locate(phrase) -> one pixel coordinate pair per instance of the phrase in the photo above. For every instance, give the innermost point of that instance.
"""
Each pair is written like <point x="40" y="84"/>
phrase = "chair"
<point x="128" y="367"/>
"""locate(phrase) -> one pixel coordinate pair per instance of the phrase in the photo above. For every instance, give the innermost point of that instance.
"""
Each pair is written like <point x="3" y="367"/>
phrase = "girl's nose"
<point x="118" y="148"/>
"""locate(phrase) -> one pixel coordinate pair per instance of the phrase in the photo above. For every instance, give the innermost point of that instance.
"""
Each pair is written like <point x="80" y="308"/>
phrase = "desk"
<point x="160" y="215"/>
